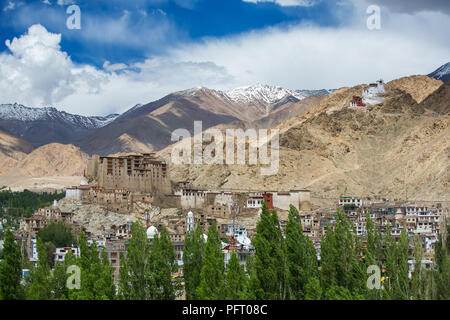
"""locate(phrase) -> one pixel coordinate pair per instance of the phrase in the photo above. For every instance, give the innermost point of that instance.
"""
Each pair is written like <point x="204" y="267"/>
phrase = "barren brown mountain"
<point x="149" y="127"/>
<point x="419" y="87"/>
<point x="438" y="101"/>
<point x="53" y="159"/>
<point x="398" y="150"/>
<point x="52" y="166"/>
<point x="281" y="115"/>
<point x="12" y="150"/>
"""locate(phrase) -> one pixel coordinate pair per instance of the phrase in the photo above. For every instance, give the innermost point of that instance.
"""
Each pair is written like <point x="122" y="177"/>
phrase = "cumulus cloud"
<point x="36" y="72"/>
<point x="287" y="3"/>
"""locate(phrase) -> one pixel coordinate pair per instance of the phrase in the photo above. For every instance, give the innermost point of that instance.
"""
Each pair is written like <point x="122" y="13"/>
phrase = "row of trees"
<point x="284" y="266"/>
<point x="96" y="274"/>
<point x="24" y="203"/>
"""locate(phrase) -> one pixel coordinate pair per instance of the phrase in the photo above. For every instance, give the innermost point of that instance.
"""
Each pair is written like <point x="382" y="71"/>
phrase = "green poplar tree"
<point x="10" y="269"/>
<point x="194" y="247"/>
<point x="124" y="290"/>
<point x="70" y="260"/>
<point x="89" y="261"/>
<point x="41" y="279"/>
<point x="338" y="253"/>
<point x="104" y="286"/>
<point x="397" y="265"/>
<point x="313" y="291"/>
<point x="372" y="253"/>
<point x="59" y="282"/>
<point x="236" y="280"/>
<point x="212" y="275"/>
<point x="300" y="255"/>
<point x="136" y="283"/>
<point x="403" y="254"/>
<point x="269" y="278"/>
<point x="442" y="276"/>
<point x="341" y="259"/>
<point x="162" y="265"/>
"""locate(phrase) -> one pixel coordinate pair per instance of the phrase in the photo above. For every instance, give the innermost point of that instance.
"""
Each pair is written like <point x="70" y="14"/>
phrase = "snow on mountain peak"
<point x="20" y="112"/>
<point x="442" y="73"/>
<point x="260" y="92"/>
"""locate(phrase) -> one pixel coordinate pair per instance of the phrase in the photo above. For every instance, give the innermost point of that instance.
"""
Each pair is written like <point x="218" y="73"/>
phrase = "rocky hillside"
<point x="149" y="127"/>
<point x="399" y="149"/>
<point x="438" y="101"/>
<point x="12" y="150"/>
<point x="53" y="159"/>
<point x="50" y="167"/>
<point x="419" y="87"/>
<point x="277" y="117"/>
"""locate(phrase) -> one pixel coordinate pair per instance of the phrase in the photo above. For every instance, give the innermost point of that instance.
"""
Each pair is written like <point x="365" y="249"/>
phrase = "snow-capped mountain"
<point x="151" y="124"/>
<point x="45" y="125"/>
<point x="261" y="93"/>
<point x="19" y="112"/>
<point x="442" y="73"/>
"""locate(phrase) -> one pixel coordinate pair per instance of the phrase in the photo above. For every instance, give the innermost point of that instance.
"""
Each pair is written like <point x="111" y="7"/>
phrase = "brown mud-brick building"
<point x="143" y="173"/>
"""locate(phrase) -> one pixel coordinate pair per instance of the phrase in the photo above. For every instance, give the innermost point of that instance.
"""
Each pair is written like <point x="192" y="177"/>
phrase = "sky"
<point x="130" y="52"/>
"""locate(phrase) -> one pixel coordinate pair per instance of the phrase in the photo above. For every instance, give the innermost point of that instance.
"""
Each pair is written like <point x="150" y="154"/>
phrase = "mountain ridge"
<point x="441" y="73"/>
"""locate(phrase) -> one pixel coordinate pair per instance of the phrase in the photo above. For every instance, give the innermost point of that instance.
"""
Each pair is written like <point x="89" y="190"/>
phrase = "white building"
<point x="372" y="94"/>
<point x="350" y="200"/>
<point x="77" y="192"/>
<point x="99" y="242"/>
<point x="60" y="253"/>
<point x="426" y="264"/>
<point x="34" y="254"/>
<point x="255" y="200"/>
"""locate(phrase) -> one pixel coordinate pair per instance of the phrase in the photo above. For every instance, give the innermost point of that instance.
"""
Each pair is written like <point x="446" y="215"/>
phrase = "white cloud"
<point x="287" y="3"/>
<point x="316" y="57"/>
<point x="37" y="73"/>
<point x="36" y="69"/>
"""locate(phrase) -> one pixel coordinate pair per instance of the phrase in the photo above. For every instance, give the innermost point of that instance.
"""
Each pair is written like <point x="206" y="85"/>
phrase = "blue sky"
<point x="130" y="52"/>
<point x="172" y="22"/>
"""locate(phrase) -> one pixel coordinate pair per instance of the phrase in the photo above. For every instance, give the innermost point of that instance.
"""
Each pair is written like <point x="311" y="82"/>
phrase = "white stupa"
<point x="84" y="182"/>
<point x="151" y="232"/>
